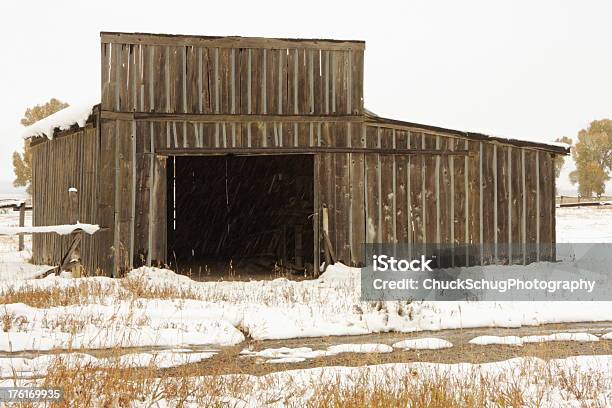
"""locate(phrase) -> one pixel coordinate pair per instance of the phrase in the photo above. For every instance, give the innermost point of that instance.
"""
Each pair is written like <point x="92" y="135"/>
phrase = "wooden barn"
<point x="218" y="150"/>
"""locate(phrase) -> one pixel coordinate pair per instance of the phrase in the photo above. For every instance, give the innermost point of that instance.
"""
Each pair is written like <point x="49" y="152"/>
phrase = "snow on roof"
<point x="63" y="119"/>
<point x="560" y="144"/>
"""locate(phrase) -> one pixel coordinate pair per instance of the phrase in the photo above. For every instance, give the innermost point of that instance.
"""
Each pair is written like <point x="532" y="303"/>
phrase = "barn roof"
<point x="556" y="148"/>
<point x="77" y="115"/>
<point x="231" y="41"/>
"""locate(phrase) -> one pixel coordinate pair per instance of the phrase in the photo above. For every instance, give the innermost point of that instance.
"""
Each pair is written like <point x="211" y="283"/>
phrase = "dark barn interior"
<point x="237" y="216"/>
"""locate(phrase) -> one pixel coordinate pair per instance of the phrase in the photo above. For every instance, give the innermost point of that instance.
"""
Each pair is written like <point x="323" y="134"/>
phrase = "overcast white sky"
<point x="527" y="69"/>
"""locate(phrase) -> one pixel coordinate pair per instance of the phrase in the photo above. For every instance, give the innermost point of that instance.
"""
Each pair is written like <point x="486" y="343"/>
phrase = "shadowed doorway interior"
<point x="240" y="217"/>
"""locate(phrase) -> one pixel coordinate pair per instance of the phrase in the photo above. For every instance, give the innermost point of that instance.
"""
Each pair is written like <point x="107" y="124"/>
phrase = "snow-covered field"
<point x="154" y="307"/>
<point x="158" y="308"/>
<point x="584" y="224"/>
<point x="13" y="263"/>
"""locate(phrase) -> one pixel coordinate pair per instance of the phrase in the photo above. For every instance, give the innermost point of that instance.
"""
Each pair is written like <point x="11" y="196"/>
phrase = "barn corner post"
<point x="316" y="217"/>
<point x="552" y="209"/>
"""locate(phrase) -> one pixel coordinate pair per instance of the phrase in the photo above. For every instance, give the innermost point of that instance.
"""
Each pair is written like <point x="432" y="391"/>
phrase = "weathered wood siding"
<point x="71" y="160"/>
<point x="150" y="73"/>
<point x="484" y="200"/>
<point x="163" y="93"/>
<point x="450" y="197"/>
<point x="487" y="200"/>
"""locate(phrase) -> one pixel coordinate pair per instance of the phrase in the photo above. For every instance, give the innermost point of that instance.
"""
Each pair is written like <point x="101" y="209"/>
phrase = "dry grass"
<point x="88" y="291"/>
<point x="533" y="385"/>
<point x="579" y="386"/>
<point x="137" y="288"/>
<point x="10" y="320"/>
<point x="78" y="292"/>
<point x="99" y="290"/>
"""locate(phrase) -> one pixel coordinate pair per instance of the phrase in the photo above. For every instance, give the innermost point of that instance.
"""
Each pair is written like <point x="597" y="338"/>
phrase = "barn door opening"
<point x="240" y="217"/>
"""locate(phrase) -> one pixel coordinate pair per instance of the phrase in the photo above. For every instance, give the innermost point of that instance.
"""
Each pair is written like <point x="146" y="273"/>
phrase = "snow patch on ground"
<point x="580" y="337"/>
<point x="15" y="265"/>
<point x="519" y="341"/>
<point x="285" y="360"/>
<point x="299" y="354"/>
<point x="504" y="340"/>
<point x="158" y="276"/>
<point x="427" y="343"/>
<point x="94" y="338"/>
<point x="284" y="352"/>
<point x="164" y="359"/>
<point x="38" y="366"/>
<point x="158" y="323"/>
<point x="359" y="348"/>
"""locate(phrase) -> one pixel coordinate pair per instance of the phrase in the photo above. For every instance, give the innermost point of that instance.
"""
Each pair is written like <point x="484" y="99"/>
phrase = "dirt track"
<point x="227" y="360"/>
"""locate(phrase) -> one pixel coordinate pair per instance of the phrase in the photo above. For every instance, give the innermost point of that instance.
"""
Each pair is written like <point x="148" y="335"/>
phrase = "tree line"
<point x="592" y="153"/>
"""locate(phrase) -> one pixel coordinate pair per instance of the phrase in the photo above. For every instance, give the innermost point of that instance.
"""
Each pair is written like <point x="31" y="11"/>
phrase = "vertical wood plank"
<point x="357" y="197"/>
<point x="487" y="202"/>
<point x="357" y="79"/>
<point x="516" y="206"/>
<point x="502" y="215"/>
<point x="386" y="183"/>
<point x="430" y="204"/>
<point x="317" y="209"/>
<point x="342" y="218"/>
<point x="372" y="198"/>
<point x="446" y="193"/>
<point x="460" y="201"/>
<point x="417" y="166"/>
<point x="105" y="64"/>
<point x="159" y="211"/>
<point x="546" y="202"/>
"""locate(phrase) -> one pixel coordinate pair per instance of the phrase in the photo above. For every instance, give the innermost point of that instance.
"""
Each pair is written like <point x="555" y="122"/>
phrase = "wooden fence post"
<point x="21" y="223"/>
